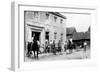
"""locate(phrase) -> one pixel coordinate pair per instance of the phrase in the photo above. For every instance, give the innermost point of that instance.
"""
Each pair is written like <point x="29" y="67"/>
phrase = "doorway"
<point x="47" y="36"/>
<point x="36" y="35"/>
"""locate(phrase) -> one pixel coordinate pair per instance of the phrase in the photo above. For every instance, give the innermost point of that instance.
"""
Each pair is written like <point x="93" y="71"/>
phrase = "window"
<point x="55" y="33"/>
<point x="55" y="18"/>
<point x="35" y="14"/>
<point x="61" y="37"/>
<point x="47" y="36"/>
<point x="47" y="15"/>
<point x="61" y="21"/>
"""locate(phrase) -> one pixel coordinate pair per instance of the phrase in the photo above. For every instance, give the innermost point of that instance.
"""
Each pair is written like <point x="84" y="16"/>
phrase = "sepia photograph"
<point x="50" y="36"/>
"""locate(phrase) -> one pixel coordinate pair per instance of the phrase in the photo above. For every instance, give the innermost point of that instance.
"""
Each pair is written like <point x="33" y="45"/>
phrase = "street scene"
<point x="56" y="36"/>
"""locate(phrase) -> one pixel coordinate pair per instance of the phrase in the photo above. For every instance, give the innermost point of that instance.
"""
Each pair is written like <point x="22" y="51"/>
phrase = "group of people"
<point x="34" y="47"/>
<point x="52" y="47"/>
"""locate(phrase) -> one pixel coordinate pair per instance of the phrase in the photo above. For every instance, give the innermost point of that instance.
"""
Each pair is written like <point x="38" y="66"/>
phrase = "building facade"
<point x="45" y="25"/>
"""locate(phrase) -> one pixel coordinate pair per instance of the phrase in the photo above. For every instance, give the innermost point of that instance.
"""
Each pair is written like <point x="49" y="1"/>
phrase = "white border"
<point x="18" y="40"/>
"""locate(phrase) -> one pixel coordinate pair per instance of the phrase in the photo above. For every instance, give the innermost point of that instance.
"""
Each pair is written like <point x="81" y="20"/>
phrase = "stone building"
<point x="45" y="26"/>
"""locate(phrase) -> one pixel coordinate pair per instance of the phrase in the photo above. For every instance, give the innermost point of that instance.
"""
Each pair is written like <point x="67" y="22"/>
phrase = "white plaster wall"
<point x="49" y="25"/>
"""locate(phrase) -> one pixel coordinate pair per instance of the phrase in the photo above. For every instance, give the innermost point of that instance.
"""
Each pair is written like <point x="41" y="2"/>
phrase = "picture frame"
<point x="17" y="35"/>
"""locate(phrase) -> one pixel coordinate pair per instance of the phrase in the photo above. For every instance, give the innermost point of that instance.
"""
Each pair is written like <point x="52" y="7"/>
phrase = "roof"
<point x="87" y="35"/>
<point x="58" y="14"/>
<point x="70" y="31"/>
<point x="77" y="35"/>
<point x="81" y="35"/>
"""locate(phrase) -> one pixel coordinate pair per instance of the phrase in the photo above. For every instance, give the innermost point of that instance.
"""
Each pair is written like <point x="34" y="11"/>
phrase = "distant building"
<point x="69" y="32"/>
<point x="78" y="37"/>
<point x="45" y="26"/>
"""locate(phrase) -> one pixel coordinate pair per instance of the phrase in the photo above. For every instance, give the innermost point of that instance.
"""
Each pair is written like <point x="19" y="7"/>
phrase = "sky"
<point x="80" y="21"/>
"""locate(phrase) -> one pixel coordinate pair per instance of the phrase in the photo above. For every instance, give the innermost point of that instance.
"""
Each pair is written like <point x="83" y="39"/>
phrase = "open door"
<point x="37" y="35"/>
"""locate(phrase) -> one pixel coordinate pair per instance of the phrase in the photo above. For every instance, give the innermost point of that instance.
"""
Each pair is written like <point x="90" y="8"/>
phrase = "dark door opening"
<point x="37" y="35"/>
<point x="47" y="36"/>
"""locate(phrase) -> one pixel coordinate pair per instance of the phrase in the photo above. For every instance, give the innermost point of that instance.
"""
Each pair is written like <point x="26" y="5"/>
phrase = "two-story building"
<point x="45" y="26"/>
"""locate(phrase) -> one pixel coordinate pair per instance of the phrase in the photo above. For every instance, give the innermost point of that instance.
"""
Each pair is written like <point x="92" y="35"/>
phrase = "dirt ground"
<point x="80" y="54"/>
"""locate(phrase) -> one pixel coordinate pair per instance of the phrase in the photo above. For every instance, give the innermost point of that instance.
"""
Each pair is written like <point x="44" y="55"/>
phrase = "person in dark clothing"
<point x="65" y="46"/>
<point x="29" y="49"/>
<point x="53" y="48"/>
<point x="46" y="47"/>
<point x="35" y="47"/>
<point x="69" y="46"/>
<point x="59" y="46"/>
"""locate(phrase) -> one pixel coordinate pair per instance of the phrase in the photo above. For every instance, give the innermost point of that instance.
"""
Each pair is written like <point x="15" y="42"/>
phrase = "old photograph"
<point x="56" y="36"/>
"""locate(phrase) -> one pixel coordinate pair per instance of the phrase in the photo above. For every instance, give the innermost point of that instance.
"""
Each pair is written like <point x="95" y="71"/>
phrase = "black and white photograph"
<point x="53" y="36"/>
<point x="50" y="36"/>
